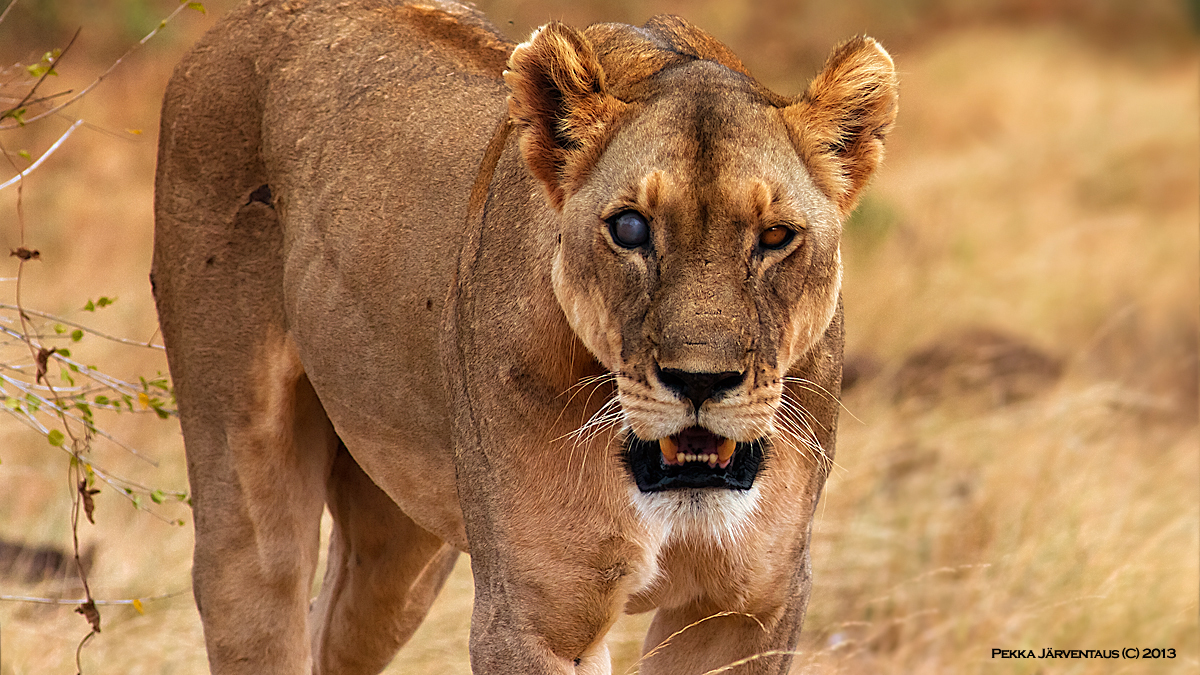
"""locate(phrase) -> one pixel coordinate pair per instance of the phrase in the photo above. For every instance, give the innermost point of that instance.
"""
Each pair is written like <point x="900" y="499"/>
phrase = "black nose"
<point x="699" y="387"/>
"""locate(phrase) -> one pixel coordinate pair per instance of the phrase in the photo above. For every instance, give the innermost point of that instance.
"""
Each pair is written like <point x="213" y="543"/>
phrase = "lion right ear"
<point x="558" y="101"/>
<point x="839" y="124"/>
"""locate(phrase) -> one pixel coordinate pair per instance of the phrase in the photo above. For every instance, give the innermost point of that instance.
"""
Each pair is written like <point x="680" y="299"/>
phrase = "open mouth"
<point x="693" y="458"/>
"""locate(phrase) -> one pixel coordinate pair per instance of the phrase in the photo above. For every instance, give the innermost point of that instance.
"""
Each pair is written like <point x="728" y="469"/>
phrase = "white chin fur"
<point x="699" y="515"/>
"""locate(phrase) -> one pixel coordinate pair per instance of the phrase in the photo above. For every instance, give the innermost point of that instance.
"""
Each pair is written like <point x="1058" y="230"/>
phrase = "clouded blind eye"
<point x="629" y="229"/>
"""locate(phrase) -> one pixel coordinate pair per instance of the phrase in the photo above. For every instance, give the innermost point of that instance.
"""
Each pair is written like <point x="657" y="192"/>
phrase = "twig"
<point x="41" y="99"/>
<point x="99" y="603"/>
<point x="27" y="419"/>
<point x="7" y="10"/>
<point x="162" y="24"/>
<point x="93" y="331"/>
<point x="17" y="178"/>
<point x="122" y="485"/>
<point x="113" y="383"/>
<point x="20" y="386"/>
<point x="29" y="94"/>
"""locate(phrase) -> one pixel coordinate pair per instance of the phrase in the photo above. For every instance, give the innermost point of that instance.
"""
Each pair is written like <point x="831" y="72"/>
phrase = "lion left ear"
<point x="558" y="101"/>
<point x="839" y="124"/>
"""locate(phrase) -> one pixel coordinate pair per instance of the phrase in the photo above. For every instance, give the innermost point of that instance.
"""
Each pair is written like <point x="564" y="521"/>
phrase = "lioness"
<point x="571" y="306"/>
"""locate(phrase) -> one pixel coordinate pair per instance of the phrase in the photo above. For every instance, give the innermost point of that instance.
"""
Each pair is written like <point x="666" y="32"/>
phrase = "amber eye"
<point x="775" y="238"/>
<point x="629" y="229"/>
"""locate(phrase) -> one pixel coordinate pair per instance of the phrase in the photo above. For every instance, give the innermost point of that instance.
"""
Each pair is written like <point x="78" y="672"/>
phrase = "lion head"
<point x="699" y="221"/>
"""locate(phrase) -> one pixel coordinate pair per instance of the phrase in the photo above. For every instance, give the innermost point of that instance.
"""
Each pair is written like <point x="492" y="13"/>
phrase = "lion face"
<point x="700" y="218"/>
<point x="697" y="261"/>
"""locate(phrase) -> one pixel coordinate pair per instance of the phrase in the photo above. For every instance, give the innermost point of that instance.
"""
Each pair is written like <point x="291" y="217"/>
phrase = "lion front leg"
<point x="557" y="627"/>
<point x="546" y="597"/>
<point x="731" y="606"/>
<point x="702" y="638"/>
<point x="555" y="555"/>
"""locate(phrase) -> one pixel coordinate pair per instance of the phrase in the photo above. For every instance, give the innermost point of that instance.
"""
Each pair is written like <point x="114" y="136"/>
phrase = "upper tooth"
<point x="669" y="448"/>
<point x="725" y="450"/>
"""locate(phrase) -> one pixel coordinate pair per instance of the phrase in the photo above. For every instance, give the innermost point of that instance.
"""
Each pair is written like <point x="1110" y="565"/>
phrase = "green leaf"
<point x="66" y="377"/>
<point x="55" y="437"/>
<point x="101" y="400"/>
<point x="76" y="335"/>
<point x="63" y="352"/>
<point x="137" y="501"/>
<point x="24" y="154"/>
<point x="156" y="496"/>
<point x="89" y="307"/>
<point x="162" y="414"/>
<point x="199" y="7"/>
<point x="46" y="65"/>
<point x="17" y="114"/>
<point x="59" y="329"/>
<point x="105" y="302"/>
<point x="39" y="69"/>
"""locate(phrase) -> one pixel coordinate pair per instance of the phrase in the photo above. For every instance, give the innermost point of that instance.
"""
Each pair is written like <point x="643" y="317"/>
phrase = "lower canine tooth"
<point x="725" y="451"/>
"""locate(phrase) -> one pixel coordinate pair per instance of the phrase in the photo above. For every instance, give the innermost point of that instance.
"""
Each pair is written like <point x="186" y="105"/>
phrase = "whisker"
<point x="809" y="385"/>
<point x="604" y="416"/>
<point x="595" y="381"/>
<point x="793" y="420"/>
<point x="596" y="418"/>
<point x="795" y="405"/>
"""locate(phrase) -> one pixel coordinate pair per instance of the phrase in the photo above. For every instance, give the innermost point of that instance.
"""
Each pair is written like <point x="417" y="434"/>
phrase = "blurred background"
<point x="1018" y="461"/>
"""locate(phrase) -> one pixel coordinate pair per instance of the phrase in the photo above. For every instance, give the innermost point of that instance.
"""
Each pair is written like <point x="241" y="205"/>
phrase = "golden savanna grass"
<point x="1042" y="183"/>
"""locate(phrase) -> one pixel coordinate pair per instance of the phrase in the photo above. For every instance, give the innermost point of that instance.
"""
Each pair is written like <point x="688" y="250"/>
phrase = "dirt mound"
<point x="981" y="364"/>
<point x="35" y="564"/>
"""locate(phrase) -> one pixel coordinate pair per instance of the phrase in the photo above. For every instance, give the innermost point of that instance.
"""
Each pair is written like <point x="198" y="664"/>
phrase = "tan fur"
<point x="387" y="286"/>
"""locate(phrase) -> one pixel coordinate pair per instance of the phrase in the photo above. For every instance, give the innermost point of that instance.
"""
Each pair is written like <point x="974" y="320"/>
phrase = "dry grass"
<point x="1039" y="183"/>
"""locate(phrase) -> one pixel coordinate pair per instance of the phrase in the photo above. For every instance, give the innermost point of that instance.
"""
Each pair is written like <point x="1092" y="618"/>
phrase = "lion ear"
<point x="839" y="124"/>
<point x="558" y="101"/>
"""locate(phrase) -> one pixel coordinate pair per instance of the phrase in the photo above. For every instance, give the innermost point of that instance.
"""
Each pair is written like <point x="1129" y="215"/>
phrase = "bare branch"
<point x="32" y="90"/>
<point x="76" y="601"/>
<point x="93" y="331"/>
<point x="7" y="10"/>
<point x="20" y="386"/>
<point x="19" y="177"/>
<point x="162" y="24"/>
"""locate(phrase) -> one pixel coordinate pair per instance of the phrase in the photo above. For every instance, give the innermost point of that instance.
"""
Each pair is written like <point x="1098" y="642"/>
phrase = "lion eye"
<point x="775" y="238"/>
<point x="629" y="229"/>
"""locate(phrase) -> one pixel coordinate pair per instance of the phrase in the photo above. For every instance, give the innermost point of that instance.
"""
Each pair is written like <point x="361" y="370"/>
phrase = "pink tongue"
<point x="697" y="441"/>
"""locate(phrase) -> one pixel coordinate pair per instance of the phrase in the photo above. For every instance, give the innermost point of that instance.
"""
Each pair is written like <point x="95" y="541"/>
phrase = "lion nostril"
<point x="699" y="387"/>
